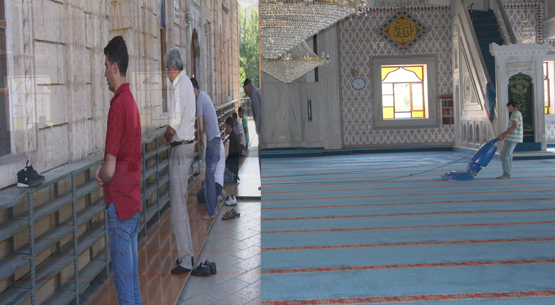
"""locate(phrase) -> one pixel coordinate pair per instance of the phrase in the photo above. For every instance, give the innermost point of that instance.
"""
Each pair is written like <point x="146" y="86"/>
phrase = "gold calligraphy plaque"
<point x="402" y="30"/>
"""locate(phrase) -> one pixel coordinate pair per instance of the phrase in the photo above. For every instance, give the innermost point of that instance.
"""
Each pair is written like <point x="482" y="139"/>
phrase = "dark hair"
<point x="247" y="82"/>
<point x="195" y="83"/>
<point x="512" y="103"/>
<point x="116" y="51"/>
<point x="234" y="114"/>
<point x="240" y="109"/>
<point x="229" y="121"/>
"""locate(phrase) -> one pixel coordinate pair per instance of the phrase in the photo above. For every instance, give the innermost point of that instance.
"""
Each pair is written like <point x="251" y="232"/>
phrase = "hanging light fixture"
<point x="286" y="23"/>
<point x="296" y="63"/>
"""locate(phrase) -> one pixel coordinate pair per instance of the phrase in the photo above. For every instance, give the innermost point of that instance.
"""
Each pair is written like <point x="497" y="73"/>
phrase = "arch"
<point x="477" y="134"/>
<point x="470" y="134"/>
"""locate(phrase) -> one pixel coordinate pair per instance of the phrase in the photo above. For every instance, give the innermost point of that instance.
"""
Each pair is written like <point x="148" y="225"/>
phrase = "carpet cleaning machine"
<point x="480" y="159"/>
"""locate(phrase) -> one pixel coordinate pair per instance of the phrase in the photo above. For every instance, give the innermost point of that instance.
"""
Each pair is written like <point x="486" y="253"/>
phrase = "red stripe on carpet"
<point x="377" y="180"/>
<point x="406" y="195"/>
<point x="407" y="188"/>
<point x="410" y="266"/>
<point x="413" y="227"/>
<point x="407" y="214"/>
<point x="404" y="203"/>
<point x="406" y="244"/>
<point x="419" y="298"/>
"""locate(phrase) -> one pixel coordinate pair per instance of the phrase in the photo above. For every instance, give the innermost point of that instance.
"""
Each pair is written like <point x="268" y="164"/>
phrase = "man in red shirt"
<point x="120" y="175"/>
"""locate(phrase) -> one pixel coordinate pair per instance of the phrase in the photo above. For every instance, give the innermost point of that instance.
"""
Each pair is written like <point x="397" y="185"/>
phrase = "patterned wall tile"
<point x="550" y="132"/>
<point x="399" y="3"/>
<point x="358" y="43"/>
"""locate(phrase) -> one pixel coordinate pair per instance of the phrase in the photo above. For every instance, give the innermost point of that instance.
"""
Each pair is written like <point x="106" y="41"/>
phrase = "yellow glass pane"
<point x="418" y="70"/>
<point x="546" y="110"/>
<point x="387" y="70"/>
<point x="388" y="112"/>
<point x="418" y="114"/>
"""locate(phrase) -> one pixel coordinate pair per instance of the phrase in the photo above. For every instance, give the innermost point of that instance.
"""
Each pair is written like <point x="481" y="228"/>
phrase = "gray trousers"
<point x="180" y="161"/>
<point x="506" y="157"/>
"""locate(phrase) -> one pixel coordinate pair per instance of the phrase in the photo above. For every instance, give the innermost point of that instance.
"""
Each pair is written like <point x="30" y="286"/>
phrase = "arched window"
<point x="403" y="92"/>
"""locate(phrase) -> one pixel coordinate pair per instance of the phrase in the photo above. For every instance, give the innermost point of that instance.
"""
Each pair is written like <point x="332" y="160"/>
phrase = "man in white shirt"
<point x="180" y="134"/>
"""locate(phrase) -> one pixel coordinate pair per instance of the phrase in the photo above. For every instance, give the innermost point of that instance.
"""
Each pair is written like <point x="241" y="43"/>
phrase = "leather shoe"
<point x="201" y="270"/>
<point x="180" y="270"/>
<point x="210" y="265"/>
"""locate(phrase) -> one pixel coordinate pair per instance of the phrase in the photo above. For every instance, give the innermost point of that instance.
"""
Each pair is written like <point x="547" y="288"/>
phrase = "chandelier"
<point x="296" y="63"/>
<point x="286" y="23"/>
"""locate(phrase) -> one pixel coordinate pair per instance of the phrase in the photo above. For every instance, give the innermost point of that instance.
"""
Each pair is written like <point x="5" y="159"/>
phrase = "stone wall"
<point x="58" y="95"/>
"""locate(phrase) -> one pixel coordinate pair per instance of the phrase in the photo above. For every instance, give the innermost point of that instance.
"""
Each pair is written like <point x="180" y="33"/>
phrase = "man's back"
<point x="205" y="108"/>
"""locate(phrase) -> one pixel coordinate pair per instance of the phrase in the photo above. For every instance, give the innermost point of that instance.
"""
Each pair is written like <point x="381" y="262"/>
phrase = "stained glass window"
<point x="403" y="92"/>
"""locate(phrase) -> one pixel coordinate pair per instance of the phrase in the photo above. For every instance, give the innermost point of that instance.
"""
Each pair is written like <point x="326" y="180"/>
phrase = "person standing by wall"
<point x="180" y="134"/>
<point x="245" y="122"/>
<point x="120" y="175"/>
<point x="512" y="137"/>
<point x="256" y="105"/>
<point x="208" y="124"/>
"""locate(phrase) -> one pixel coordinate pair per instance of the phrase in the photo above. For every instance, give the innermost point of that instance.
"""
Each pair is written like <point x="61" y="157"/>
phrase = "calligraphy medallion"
<point x="402" y="30"/>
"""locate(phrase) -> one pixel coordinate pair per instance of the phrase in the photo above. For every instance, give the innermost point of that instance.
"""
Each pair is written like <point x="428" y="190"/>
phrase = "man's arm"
<point x="508" y="131"/>
<point x="168" y="135"/>
<point x="105" y="173"/>
<point x="201" y="133"/>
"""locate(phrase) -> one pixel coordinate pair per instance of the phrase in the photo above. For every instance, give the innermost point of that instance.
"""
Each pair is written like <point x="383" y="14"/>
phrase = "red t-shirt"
<point x="123" y="140"/>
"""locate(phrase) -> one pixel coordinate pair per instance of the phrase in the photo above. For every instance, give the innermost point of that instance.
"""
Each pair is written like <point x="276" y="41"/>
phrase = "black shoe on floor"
<point x="28" y="177"/>
<point x="180" y="270"/>
<point x="201" y="270"/>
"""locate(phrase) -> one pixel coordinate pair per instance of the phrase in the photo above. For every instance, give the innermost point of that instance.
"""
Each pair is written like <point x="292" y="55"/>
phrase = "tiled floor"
<point x="235" y="247"/>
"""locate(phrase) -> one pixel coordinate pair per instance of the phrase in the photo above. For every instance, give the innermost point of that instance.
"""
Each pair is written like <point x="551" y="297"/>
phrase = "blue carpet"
<point x="384" y="228"/>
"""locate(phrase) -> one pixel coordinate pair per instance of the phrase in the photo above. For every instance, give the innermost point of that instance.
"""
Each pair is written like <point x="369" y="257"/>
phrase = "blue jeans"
<point x="125" y="259"/>
<point x="201" y="197"/>
<point x="506" y="157"/>
<point x="212" y="158"/>
<point x="229" y="176"/>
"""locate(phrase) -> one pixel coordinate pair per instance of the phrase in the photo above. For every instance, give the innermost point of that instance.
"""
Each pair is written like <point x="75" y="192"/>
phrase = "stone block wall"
<point x="58" y="95"/>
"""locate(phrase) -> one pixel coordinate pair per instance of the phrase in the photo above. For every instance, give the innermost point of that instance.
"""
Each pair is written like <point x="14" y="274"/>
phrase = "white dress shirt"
<point x="182" y="108"/>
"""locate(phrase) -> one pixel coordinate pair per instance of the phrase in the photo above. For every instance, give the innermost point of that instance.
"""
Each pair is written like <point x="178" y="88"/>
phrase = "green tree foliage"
<point x="248" y="47"/>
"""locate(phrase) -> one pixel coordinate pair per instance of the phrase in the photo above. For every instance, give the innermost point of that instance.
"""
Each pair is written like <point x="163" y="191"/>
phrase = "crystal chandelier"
<point x="286" y="23"/>
<point x="296" y="63"/>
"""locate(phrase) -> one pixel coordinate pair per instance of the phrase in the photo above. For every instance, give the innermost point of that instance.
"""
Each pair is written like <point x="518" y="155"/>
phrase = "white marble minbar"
<point x="526" y="59"/>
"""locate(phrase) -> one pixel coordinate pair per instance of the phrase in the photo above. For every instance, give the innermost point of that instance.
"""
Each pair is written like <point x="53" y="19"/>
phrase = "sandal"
<point x="234" y="213"/>
<point x="228" y="215"/>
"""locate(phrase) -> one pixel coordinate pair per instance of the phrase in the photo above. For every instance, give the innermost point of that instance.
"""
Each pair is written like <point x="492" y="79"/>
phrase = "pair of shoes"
<point x="202" y="270"/>
<point x="502" y="177"/>
<point x="180" y="270"/>
<point x="234" y="213"/>
<point x="28" y="177"/>
<point x="231" y="200"/>
<point x="231" y="214"/>
<point x="228" y="215"/>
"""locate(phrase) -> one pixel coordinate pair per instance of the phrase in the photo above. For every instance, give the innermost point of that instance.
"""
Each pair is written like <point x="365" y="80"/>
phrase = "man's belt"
<point x="174" y="144"/>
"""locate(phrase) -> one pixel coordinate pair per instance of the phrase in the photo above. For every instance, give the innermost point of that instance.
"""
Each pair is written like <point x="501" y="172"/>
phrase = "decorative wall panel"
<point x="399" y="3"/>
<point x="358" y="43"/>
